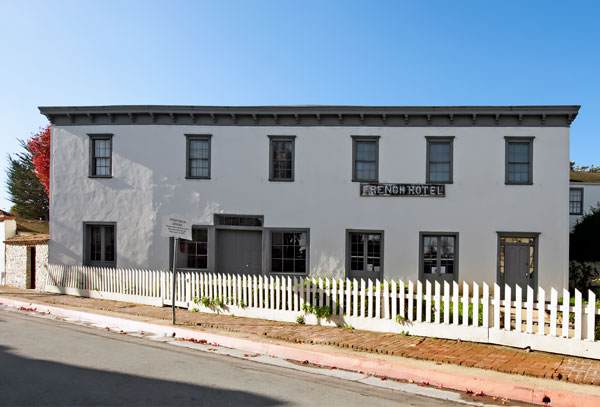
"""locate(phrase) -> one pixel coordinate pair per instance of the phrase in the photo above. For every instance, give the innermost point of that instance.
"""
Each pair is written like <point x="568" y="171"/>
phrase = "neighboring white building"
<point x="584" y="194"/>
<point x="8" y="228"/>
<point x="440" y="193"/>
<point x="23" y="252"/>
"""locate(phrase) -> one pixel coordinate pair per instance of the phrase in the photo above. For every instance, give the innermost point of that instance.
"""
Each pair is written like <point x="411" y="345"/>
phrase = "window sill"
<point x="439" y="182"/>
<point x="197" y="177"/>
<point x="285" y="274"/>
<point x="365" y="180"/>
<point x="280" y="180"/>
<point x="100" y="176"/>
<point x="518" y="183"/>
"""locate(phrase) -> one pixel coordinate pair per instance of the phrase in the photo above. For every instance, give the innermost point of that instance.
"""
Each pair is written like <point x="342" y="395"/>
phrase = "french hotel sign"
<point x="419" y="190"/>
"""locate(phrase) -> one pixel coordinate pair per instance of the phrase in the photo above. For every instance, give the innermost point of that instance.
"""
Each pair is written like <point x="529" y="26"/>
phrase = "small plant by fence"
<point x="475" y="312"/>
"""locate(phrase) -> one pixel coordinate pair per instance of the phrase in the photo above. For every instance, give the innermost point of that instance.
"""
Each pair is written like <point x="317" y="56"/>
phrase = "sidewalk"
<point x="364" y="344"/>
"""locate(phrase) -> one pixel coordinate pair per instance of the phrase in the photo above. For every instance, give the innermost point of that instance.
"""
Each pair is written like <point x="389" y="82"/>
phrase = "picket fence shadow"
<point x="475" y="312"/>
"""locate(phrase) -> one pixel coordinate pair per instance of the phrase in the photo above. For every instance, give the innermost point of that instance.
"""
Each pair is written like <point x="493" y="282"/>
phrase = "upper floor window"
<point x="100" y="155"/>
<point x="439" y="159"/>
<point x="281" y="162"/>
<point x="198" y="156"/>
<point x="519" y="160"/>
<point x="575" y="201"/>
<point x="100" y="244"/>
<point x="365" y="158"/>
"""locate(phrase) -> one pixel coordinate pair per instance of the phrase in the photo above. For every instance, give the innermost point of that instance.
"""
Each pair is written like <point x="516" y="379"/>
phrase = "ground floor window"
<point x="100" y="244"/>
<point x="193" y="253"/>
<point x="364" y="254"/>
<point x="439" y="256"/>
<point x="289" y="251"/>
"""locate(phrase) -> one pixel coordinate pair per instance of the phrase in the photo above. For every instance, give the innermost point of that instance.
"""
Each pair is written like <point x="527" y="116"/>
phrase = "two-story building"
<point x="439" y="193"/>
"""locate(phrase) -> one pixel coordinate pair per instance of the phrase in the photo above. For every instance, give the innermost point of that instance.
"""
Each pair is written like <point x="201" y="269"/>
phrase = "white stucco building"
<point x="584" y="194"/>
<point x="440" y="193"/>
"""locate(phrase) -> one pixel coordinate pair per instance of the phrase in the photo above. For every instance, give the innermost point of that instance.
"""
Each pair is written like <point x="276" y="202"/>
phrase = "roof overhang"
<point x="395" y="116"/>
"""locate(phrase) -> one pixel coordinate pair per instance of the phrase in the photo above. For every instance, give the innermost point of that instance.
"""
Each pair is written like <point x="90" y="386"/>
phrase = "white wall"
<point x="149" y="182"/>
<point x="591" y="198"/>
<point x="8" y="228"/>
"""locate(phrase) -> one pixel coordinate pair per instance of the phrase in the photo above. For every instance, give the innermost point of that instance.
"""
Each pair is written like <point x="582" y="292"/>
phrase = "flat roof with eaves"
<point x="374" y="116"/>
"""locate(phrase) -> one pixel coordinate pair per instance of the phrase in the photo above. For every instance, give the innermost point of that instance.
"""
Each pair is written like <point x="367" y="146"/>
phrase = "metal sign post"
<point x="177" y="227"/>
<point x="173" y="293"/>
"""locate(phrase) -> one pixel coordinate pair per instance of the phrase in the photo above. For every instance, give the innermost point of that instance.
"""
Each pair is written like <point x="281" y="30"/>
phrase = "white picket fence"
<point x="452" y="311"/>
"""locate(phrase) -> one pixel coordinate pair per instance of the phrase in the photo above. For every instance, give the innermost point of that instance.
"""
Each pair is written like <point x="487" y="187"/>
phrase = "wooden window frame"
<point x="440" y="140"/>
<point x="199" y="137"/>
<point x="355" y="141"/>
<point x="92" y="155"/>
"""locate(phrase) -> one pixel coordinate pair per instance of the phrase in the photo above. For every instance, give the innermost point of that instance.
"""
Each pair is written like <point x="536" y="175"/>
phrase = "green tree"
<point x="584" y="168"/>
<point x="25" y="190"/>
<point x="585" y="236"/>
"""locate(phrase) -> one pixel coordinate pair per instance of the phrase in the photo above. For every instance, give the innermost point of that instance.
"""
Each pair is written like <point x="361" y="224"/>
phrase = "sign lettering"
<point x="418" y="190"/>
<point x="176" y="226"/>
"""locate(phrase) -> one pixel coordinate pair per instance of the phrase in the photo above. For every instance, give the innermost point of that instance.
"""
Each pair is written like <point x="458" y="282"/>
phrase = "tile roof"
<point x="579" y="176"/>
<point x="27" y="239"/>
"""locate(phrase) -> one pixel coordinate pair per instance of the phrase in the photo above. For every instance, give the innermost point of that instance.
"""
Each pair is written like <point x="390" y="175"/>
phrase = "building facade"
<point x="584" y="194"/>
<point x="430" y="193"/>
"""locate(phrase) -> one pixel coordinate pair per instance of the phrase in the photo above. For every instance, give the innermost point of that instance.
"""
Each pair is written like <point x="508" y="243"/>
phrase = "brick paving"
<point x="491" y="357"/>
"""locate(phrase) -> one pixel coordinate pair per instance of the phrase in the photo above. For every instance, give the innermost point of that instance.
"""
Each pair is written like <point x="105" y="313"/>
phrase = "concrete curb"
<point x="456" y="381"/>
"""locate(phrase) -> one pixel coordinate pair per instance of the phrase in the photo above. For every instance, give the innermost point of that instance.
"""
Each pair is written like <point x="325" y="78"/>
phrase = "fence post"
<point x="410" y="300"/>
<point x="529" y="326"/>
<point x="354" y="298"/>
<point x="507" y="306"/>
<point x="289" y="294"/>
<point x="402" y="295"/>
<point x="518" y="308"/>
<point x="188" y="288"/>
<point x="394" y="300"/>
<point x="475" y="302"/>
<point x="591" y="316"/>
<point x="370" y="298"/>
<point x="377" y="299"/>
<point x="438" y="304"/>
<point x="541" y="311"/>
<point x="363" y="297"/>
<point x="386" y="299"/>
<point x="455" y="303"/>
<point x="238" y="288"/>
<point x="255" y="293"/>
<point x="162" y="291"/>
<point x="446" y="302"/>
<point x="496" y="306"/>
<point x="427" y="301"/>
<point x="486" y="306"/>
<point x="465" y="304"/>
<point x="553" y="309"/>
<point x="578" y="313"/>
<point x="419" y="301"/>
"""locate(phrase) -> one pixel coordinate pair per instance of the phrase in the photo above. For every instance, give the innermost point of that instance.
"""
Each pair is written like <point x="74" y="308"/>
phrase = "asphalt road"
<point x="46" y="362"/>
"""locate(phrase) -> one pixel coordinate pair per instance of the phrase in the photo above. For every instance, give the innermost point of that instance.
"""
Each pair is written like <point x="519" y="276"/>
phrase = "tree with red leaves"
<point x="39" y="147"/>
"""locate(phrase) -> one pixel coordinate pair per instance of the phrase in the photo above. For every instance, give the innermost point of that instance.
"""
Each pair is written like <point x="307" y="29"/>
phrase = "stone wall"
<point x="18" y="273"/>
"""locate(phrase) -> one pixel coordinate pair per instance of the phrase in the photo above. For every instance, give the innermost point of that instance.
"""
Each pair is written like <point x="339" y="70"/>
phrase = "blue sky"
<point x="297" y="52"/>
